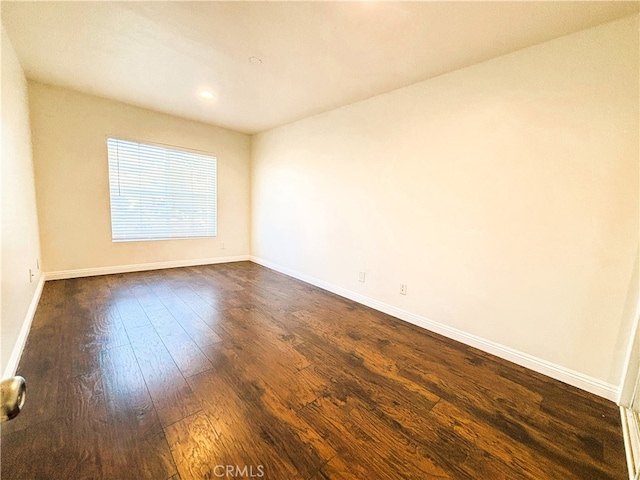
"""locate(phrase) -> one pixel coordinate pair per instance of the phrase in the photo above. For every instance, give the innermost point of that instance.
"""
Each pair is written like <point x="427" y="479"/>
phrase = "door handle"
<point x="12" y="397"/>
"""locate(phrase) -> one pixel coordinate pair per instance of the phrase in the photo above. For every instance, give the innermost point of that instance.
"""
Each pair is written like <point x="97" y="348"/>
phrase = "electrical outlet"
<point x="221" y="246"/>
<point x="30" y="276"/>
<point x="403" y="289"/>
<point x="361" y="277"/>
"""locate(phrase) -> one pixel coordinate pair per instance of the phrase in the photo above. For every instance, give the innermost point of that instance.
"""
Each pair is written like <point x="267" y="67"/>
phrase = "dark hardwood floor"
<point x="235" y="371"/>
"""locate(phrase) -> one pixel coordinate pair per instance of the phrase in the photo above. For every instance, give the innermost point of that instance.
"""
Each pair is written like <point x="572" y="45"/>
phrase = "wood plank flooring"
<point x="236" y="371"/>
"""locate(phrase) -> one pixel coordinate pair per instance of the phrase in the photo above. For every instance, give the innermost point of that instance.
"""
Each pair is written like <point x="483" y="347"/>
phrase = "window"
<point x="160" y="193"/>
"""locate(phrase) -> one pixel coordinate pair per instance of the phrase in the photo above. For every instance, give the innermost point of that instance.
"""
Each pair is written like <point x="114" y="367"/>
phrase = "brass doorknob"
<point x="12" y="396"/>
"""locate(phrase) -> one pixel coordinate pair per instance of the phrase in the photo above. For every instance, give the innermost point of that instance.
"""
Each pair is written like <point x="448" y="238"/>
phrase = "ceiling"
<point x="310" y="57"/>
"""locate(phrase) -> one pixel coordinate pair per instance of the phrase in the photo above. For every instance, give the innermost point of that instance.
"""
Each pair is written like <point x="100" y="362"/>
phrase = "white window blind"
<point x="160" y="193"/>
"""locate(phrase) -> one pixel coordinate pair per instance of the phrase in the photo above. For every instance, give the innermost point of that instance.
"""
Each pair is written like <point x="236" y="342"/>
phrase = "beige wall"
<point x="70" y="158"/>
<point x="20" y="240"/>
<point x="504" y="194"/>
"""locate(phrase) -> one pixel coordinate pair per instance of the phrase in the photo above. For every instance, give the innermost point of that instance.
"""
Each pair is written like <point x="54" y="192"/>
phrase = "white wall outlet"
<point x="403" y="289"/>
<point x="221" y="245"/>
<point x="361" y="276"/>
<point x="30" y="276"/>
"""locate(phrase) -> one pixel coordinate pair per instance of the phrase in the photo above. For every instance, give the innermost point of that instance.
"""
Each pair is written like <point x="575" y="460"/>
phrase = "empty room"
<point x="320" y="240"/>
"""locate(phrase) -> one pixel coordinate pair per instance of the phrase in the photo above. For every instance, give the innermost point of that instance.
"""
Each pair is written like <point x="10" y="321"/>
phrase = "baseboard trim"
<point x="140" y="267"/>
<point x="18" y="347"/>
<point x="631" y="433"/>
<point x="558" y="372"/>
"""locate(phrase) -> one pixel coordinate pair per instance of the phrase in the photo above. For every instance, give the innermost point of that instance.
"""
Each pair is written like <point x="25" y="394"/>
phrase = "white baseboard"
<point x="18" y="347"/>
<point x="558" y="372"/>
<point x="631" y="433"/>
<point x="139" y="267"/>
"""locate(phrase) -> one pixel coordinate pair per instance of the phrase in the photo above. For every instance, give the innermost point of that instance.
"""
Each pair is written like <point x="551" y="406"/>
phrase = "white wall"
<point x="72" y="184"/>
<point x="504" y="194"/>
<point x="20" y="239"/>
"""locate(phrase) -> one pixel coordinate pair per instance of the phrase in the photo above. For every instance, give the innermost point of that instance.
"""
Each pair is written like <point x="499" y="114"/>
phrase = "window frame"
<point x="161" y="195"/>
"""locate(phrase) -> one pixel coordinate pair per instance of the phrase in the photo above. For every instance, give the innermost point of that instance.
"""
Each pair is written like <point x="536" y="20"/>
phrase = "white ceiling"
<point x="315" y="55"/>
